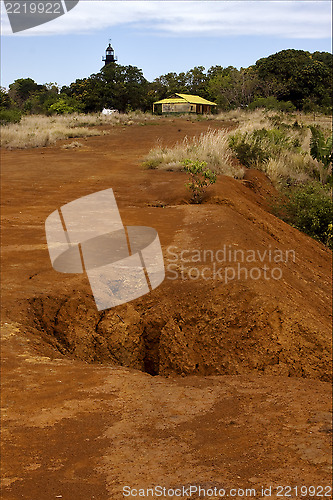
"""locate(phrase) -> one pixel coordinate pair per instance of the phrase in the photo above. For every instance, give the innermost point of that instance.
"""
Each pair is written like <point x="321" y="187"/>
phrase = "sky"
<point x="162" y="36"/>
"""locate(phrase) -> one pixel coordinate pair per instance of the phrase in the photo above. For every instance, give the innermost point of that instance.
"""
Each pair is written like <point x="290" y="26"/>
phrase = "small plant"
<point x="200" y="178"/>
<point x="329" y="236"/>
<point x="151" y="164"/>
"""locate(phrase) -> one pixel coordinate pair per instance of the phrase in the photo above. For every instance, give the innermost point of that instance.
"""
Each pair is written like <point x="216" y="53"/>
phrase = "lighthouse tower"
<point x="109" y="55"/>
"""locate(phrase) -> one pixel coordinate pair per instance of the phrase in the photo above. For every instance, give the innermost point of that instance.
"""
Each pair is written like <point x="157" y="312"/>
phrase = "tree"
<point x="4" y="99"/>
<point x="169" y="84"/>
<point x="88" y="92"/>
<point x="196" y="81"/>
<point x="115" y="86"/>
<point x="124" y="88"/>
<point x="225" y="88"/>
<point x="22" y="89"/>
<point x="296" y="75"/>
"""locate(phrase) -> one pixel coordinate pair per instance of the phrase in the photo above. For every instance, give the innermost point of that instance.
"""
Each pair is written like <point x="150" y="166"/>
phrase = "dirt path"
<point x="253" y="408"/>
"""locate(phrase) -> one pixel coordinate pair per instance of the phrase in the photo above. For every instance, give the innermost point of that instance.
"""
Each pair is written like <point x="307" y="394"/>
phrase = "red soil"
<point x="83" y="430"/>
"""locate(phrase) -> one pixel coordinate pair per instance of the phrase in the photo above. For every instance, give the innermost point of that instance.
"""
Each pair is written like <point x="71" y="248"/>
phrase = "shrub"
<point x="321" y="150"/>
<point x="10" y="116"/>
<point x="329" y="236"/>
<point x="248" y="148"/>
<point x="309" y="209"/>
<point x="63" y="106"/>
<point x="271" y="103"/>
<point x="200" y="178"/>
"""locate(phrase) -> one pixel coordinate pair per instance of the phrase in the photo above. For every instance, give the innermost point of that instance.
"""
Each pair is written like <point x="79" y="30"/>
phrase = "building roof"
<point x="171" y="100"/>
<point x="181" y="98"/>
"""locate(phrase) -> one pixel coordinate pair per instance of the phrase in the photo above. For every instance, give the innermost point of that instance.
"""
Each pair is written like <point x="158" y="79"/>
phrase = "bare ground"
<point x="198" y="382"/>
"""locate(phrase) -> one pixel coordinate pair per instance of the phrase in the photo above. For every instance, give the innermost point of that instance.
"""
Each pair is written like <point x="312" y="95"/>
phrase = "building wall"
<point x="178" y="108"/>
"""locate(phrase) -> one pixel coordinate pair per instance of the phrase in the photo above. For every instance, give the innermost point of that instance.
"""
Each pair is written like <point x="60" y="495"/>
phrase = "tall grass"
<point x="38" y="130"/>
<point x="277" y="143"/>
<point x="211" y="147"/>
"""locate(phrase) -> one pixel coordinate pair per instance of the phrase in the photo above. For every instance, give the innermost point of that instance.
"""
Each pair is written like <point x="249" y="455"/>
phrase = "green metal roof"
<point x="191" y="99"/>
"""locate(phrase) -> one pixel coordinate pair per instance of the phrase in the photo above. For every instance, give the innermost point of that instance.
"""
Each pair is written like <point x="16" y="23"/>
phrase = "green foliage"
<point x="151" y="164"/>
<point x="319" y="148"/>
<point x="64" y="105"/>
<point x="255" y="148"/>
<point x="117" y="87"/>
<point x="30" y="97"/>
<point x="329" y="236"/>
<point x="22" y="89"/>
<point x="288" y="80"/>
<point x="4" y="99"/>
<point x="9" y="116"/>
<point x="249" y="152"/>
<point x="271" y="103"/>
<point x="200" y="178"/>
<point x="308" y="208"/>
<point x="284" y="81"/>
<point x="296" y="76"/>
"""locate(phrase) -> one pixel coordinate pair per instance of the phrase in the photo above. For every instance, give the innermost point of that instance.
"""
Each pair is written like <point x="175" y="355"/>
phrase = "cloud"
<point x="288" y="19"/>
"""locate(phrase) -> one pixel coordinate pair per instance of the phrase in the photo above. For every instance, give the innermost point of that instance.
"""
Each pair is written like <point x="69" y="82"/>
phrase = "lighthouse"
<point x="109" y="55"/>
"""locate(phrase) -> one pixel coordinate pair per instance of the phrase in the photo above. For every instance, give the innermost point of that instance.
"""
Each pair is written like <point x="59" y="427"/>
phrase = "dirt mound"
<point x="177" y="332"/>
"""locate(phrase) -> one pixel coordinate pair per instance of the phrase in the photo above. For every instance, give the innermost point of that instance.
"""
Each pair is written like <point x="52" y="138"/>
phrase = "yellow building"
<point x="183" y="103"/>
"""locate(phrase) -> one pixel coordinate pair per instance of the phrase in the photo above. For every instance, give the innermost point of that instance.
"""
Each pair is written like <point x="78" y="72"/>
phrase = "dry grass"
<point x="285" y="163"/>
<point x="261" y="118"/>
<point x="211" y="147"/>
<point x="292" y="166"/>
<point x="38" y="131"/>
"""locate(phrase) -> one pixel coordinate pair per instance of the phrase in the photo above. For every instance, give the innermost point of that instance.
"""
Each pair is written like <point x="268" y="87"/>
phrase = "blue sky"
<point x="163" y="36"/>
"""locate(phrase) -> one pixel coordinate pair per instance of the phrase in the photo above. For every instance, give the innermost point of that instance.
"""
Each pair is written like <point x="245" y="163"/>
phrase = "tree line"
<point x="288" y="80"/>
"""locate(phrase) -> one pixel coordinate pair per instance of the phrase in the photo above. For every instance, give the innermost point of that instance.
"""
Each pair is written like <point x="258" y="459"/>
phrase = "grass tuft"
<point x="211" y="147"/>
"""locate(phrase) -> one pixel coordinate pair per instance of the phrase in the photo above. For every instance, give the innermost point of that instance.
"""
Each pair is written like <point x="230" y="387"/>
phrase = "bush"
<point x="63" y="106"/>
<point x="261" y="148"/>
<point x="309" y="209"/>
<point x="271" y="103"/>
<point x="10" y="116"/>
<point x="200" y="178"/>
<point x="251" y="148"/>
